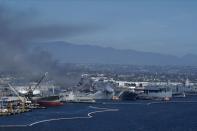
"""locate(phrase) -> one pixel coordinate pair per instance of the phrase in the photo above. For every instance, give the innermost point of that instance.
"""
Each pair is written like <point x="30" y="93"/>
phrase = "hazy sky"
<point x="168" y="26"/>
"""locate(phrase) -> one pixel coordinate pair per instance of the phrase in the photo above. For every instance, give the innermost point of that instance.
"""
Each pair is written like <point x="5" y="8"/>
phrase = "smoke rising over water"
<point x="16" y="37"/>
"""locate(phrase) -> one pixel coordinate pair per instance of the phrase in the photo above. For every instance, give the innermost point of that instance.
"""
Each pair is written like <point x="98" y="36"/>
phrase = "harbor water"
<point x="176" y="115"/>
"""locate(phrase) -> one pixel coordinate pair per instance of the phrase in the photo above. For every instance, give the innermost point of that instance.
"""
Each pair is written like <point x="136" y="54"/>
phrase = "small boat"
<point x="179" y="95"/>
<point x="166" y="98"/>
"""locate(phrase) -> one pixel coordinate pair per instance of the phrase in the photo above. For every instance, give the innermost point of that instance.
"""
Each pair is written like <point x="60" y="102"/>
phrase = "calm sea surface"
<point x="176" y="115"/>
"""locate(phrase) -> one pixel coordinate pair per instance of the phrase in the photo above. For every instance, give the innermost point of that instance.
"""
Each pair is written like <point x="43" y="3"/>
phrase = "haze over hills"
<point x="73" y="53"/>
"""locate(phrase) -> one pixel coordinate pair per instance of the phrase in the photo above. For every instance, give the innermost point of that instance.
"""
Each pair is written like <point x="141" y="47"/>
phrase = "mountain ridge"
<point x="74" y="53"/>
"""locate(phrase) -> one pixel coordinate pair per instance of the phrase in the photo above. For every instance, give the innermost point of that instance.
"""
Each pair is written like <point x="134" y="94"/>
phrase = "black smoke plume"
<point x="18" y="33"/>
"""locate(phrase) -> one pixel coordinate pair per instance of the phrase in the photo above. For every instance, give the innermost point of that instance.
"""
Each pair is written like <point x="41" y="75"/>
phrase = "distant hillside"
<point x="73" y="53"/>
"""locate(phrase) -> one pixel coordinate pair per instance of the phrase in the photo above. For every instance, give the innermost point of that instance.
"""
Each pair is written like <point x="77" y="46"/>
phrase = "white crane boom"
<point x="16" y="93"/>
<point x="23" y="100"/>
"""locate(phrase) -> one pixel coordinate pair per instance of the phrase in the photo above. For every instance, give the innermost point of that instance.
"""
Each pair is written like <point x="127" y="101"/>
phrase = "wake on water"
<point x="97" y="110"/>
<point x="89" y="116"/>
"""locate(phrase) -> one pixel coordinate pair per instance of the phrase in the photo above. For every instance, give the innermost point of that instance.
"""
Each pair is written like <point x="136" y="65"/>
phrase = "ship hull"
<point x="50" y="103"/>
<point x="128" y="95"/>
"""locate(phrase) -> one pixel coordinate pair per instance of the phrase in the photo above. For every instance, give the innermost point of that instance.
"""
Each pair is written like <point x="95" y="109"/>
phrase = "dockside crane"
<point x="42" y="78"/>
<point x="31" y="90"/>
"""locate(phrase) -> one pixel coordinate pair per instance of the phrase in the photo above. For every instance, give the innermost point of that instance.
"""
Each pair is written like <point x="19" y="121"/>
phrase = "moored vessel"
<point x="49" y="101"/>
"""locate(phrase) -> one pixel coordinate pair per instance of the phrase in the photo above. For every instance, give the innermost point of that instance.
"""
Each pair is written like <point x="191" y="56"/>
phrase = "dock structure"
<point x="12" y="105"/>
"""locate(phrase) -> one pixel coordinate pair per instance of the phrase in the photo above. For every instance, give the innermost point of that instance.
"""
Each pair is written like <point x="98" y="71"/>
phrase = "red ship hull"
<point x="50" y="103"/>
